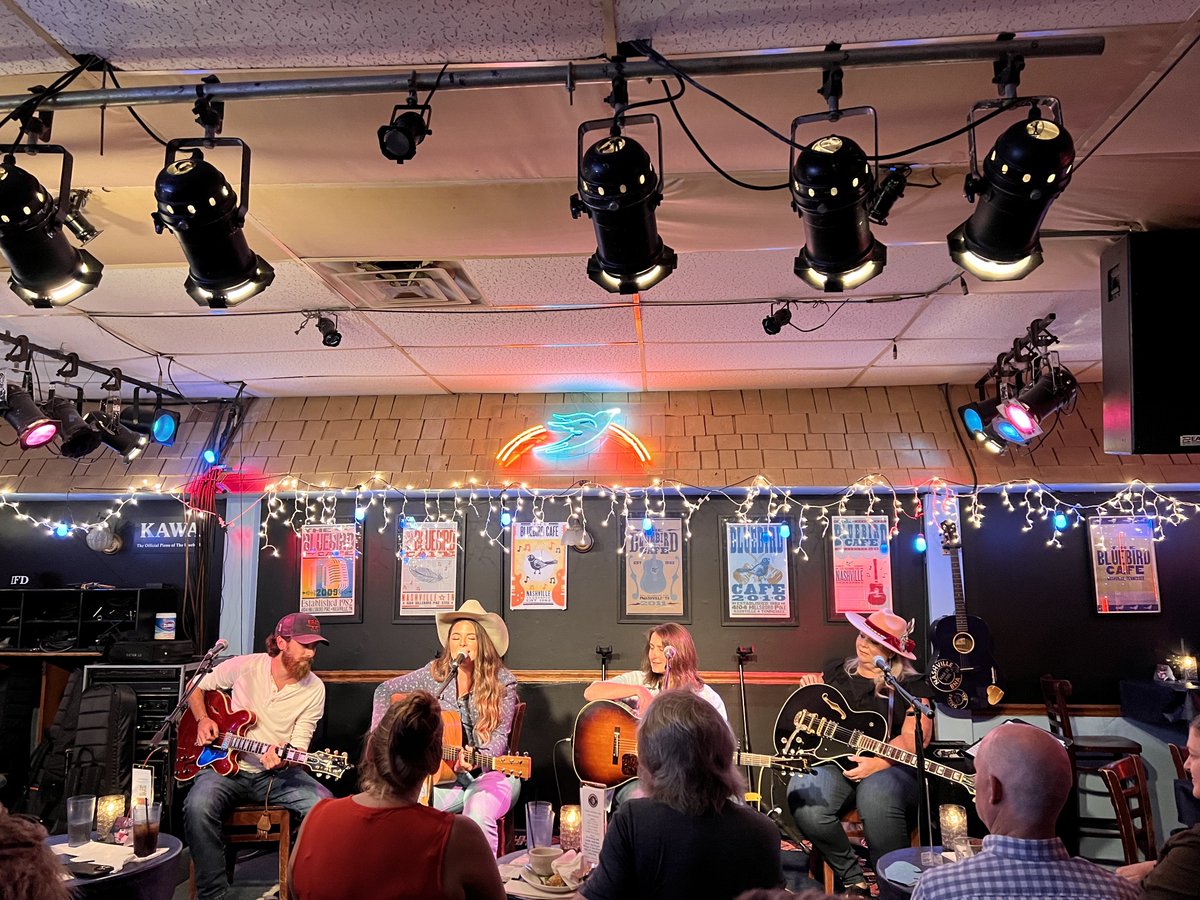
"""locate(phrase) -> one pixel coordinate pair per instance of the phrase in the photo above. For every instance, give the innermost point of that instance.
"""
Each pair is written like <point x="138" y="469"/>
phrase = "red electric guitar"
<point x="220" y="756"/>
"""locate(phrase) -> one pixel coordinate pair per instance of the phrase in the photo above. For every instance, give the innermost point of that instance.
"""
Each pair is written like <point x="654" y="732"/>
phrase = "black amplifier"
<point x="152" y="652"/>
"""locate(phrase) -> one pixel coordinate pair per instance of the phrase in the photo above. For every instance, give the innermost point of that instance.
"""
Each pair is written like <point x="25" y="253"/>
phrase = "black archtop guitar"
<point x="962" y="669"/>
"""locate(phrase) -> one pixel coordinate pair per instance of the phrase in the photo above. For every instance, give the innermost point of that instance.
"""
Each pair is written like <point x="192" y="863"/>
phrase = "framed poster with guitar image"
<point x="654" y="585"/>
<point x="759" y="565"/>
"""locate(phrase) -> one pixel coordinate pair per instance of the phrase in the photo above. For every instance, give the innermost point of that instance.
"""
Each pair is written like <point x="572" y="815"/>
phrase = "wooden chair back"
<point x="1055" y="693"/>
<point x="506" y="834"/>
<point x="1178" y="755"/>
<point x="1130" y="796"/>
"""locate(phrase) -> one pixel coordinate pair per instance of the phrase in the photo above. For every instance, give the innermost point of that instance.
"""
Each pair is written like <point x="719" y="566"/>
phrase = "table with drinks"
<point x="145" y="866"/>
<point x="523" y="870"/>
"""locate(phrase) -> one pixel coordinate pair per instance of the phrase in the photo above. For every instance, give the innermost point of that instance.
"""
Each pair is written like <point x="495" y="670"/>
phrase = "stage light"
<point x="77" y="223"/>
<point x="162" y="425"/>
<point x="831" y="184"/>
<point x="33" y="427"/>
<point x="777" y="320"/>
<point x="1054" y="388"/>
<point x="920" y="544"/>
<point x="330" y="336"/>
<point x="408" y="127"/>
<point x="199" y="207"/>
<point x="619" y="190"/>
<point x="1027" y="168"/>
<point x="977" y="415"/>
<point x="78" y="437"/>
<point x="127" y="443"/>
<point x="46" y="270"/>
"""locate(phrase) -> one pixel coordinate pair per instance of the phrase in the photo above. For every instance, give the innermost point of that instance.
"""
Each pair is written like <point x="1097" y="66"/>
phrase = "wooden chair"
<point x="1126" y="783"/>
<point x="506" y="835"/>
<point x="1178" y="755"/>
<point x="241" y="827"/>
<point x="1088" y="752"/>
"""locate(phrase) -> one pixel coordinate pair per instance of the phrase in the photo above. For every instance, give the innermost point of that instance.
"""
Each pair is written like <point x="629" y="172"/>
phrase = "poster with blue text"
<point x="428" y="554"/>
<point x="654" y="584"/>
<point x="1123" y="563"/>
<point x="328" y="562"/>
<point x="757" y="571"/>
<point x="862" y="573"/>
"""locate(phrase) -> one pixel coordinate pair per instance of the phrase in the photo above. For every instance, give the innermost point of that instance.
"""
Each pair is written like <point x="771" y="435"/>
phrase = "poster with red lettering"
<point x="328" y="566"/>
<point x="1123" y="564"/>
<point x="538" y="570"/>
<point x="428" y="554"/>
<point x="862" y="572"/>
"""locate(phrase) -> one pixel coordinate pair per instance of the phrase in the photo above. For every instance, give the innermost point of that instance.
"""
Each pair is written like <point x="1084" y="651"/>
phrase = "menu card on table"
<point x="594" y="821"/>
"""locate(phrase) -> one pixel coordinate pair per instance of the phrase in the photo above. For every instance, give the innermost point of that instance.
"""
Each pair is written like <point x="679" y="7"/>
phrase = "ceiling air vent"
<point x="399" y="284"/>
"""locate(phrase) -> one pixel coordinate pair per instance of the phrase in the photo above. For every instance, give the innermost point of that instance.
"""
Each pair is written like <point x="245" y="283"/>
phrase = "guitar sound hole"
<point x="963" y="642"/>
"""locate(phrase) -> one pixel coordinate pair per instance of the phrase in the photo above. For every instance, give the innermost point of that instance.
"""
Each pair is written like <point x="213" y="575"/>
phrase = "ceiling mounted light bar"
<point x="72" y="364"/>
<point x="489" y="76"/>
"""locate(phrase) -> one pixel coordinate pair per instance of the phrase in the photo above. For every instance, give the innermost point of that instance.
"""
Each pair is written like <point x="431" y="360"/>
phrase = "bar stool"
<point x="254" y="824"/>
<point x="1088" y="751"/>
<point x="852" y="824"/>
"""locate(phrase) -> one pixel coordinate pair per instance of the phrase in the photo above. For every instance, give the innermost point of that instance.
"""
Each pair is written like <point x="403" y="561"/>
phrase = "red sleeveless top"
<point x="351" y="850"/>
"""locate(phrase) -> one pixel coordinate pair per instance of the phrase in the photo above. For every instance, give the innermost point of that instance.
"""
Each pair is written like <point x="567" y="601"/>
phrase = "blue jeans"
<point x="887" y="802"/>
<point x="211" y="798"/>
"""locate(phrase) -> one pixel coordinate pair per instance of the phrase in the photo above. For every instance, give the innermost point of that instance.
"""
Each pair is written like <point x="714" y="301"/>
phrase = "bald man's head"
<point x="1022" y="778"/>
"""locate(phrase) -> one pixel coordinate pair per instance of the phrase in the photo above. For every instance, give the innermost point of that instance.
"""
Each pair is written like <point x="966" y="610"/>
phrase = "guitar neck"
<point x="476" y="759"/>
<point x="258" y="748"/>
<point x="960" y="601"/>
<point x="897" y="754"/>
<point x="758" y="760"/>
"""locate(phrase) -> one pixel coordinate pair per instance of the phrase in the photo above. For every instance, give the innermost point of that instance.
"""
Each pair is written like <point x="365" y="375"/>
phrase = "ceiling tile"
<point x="314" y="364"/>
<point x="764" y="354"/>
<point x="342" y="386"/>
<point x="525" y="361"/>
<point x="749" y="380"/>
<point x="539" y="382"/>
<point x="473" y="328"/>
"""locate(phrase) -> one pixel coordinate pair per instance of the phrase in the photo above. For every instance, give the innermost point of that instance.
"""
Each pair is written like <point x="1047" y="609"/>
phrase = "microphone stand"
<point x="744" y="655"/>
<point x="919" y="710"/>
<point x="454" y="664"/>
<point x="605" y="652"/>
<point x="206" y="665"/>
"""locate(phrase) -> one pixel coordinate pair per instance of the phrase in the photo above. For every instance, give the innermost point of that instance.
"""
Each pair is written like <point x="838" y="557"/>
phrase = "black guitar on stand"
<point x="962" y="669"/>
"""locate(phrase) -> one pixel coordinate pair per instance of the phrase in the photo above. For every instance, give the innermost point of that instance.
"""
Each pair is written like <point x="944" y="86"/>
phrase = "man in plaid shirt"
<point x="1022" y="778"/>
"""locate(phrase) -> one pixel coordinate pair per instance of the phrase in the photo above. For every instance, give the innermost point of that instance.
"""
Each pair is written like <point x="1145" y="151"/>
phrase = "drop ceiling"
<point x="488" y="190"/>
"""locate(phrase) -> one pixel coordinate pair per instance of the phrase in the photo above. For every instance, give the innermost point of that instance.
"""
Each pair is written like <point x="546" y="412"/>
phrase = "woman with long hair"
<point x="885" y="795"/>
<point x="444" y="856"/>
<point x="468" y="678"/>
<point x="690" y="836"/>
<point x="29" y="870"/>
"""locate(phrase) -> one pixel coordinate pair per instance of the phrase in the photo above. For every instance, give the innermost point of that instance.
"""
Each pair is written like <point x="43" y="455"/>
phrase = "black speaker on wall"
<point x="1148" y="293"/>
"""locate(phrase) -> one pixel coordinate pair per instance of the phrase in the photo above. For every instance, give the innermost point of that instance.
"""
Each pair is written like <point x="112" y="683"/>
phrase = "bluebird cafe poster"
<point x="654" y="568"/>
<point x="328" y="559"/>
<point x="428" y="554"/>
<point x="756" y="561"/>
<point x="1123" y="564"/>
<point x="862" y="574"/>
<point x="538" y="573"/>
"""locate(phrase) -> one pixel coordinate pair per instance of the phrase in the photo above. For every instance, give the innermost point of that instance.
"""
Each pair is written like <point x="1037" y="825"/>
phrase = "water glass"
<point x="145" y="828"/>
<point x="966" y="847"/>
<point x="539" y="823"/>
<point x="81" y="811"/>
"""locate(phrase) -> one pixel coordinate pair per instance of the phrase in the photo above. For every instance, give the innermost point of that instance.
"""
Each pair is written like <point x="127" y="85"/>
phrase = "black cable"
<point x="946" y="137"/>
<point x="133" y="112"/>
<point x="554" y="759"/>
<point x="436" y="84"/>
<point x="29" y="107"/>
<point x="668" y="99"/>
<point x="962" y="441"/>
<point x="837" y="310"/>
<point x="708" y="159"/>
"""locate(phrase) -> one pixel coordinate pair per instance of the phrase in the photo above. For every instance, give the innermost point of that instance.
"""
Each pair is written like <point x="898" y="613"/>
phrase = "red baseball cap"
<point x="300" y="627"/>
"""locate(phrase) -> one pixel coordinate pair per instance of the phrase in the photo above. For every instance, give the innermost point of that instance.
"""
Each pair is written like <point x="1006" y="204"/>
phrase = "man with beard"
<point x="287" y="701"/>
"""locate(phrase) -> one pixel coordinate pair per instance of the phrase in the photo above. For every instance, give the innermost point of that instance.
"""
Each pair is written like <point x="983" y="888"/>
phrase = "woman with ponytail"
<point x="350" y="847"/>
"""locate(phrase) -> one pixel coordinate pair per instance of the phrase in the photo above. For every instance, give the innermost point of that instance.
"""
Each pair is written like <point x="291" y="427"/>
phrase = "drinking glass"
<point x="145" y="828"/>
<point x="81" y="810"/>
<point x="539" y="823"/>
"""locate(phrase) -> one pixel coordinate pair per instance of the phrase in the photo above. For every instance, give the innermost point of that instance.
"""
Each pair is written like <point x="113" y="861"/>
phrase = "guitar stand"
<point x="744" y="655"/>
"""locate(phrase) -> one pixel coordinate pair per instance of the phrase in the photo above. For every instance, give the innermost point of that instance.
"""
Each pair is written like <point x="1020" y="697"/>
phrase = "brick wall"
<point x="822" y="437"/>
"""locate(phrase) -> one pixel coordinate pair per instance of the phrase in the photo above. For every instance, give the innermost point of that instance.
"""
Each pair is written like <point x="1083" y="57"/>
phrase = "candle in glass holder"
<point x="953" y="820"/>
<point x="108" y="809"/>
<point x="570" y="820"/>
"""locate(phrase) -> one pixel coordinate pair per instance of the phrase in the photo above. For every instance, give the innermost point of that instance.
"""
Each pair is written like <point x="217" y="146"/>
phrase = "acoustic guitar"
<point x="817" y="723"/>
<point x="219" y="755"/>
<point x="518" y="766"/>
<point x="604" y="746"/>
<point x="962" y="668"/>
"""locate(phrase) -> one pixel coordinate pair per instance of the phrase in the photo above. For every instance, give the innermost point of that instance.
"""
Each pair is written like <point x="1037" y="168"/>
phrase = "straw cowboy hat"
<point x="887" y="629"/>
<point x="491" y="623"/>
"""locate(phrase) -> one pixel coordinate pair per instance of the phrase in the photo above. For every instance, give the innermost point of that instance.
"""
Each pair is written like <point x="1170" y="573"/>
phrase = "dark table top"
<point x="890" y="890"/>
<point x="151" y="879"/>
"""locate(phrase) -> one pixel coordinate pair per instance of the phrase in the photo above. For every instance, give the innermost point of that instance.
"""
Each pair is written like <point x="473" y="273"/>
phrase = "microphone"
<point x="880" y="663"/>
<point x="218" y="648"/>
<point x="669" y="652"/>
<point x="459" y="660"/>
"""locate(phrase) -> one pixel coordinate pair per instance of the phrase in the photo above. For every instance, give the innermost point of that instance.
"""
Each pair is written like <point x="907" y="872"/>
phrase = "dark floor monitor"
<point x="1149" y="294"/>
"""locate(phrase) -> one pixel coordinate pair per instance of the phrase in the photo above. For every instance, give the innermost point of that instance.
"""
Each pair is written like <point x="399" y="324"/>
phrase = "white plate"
<point x="530" y="878"/>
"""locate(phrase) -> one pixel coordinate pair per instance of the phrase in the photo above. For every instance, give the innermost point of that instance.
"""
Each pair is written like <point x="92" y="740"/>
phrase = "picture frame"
<point x="860" y="565"/>
<point x="1124" y="569"/>
<point x="331" y="571"/>
<point x="430" y="563"/>
<point x="758" y="572"/>
<point x="654" y="573"/>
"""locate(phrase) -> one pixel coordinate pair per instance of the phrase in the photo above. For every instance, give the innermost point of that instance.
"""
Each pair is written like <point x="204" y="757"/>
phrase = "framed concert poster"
<point x="329" y="564"/>
<point x="862" y="568"/>
<point x="756" y="558"/>
<point x="654" y="580"/>
<point x="538" y="566"/>
<point x="1126" y="575"/>
<point x="428" y="569"/>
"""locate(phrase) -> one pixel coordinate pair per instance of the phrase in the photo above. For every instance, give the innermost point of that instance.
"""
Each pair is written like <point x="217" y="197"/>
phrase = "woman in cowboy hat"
<point x="885" y="795"/>
<point x="483" y="692"/>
